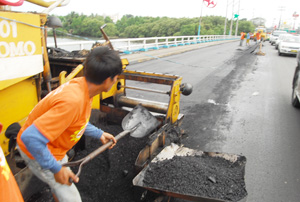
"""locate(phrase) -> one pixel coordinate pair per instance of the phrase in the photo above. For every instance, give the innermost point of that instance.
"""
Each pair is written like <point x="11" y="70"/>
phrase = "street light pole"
<point x="225" y="26"/>
<point x="237" y="20"/>
<point x="230" y="32"/>
<point x="295" y="15"/>
<point x="281" y="8"/>
<point x="199" y="28"/>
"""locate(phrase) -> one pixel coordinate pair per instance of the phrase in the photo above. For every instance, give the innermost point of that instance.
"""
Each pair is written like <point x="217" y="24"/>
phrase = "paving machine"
<point x="30" y="70"/>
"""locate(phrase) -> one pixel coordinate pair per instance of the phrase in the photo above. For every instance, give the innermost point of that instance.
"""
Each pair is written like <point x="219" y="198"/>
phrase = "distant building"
<point x="115" y="17"/>
<point x="258" y="21"/>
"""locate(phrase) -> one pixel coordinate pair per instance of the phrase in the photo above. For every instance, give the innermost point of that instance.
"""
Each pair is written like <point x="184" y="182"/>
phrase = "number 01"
<point x="6" y="28"/>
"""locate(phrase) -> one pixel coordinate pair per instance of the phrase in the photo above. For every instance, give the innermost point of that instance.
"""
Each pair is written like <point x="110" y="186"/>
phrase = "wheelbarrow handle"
<point x="105" y="146"/>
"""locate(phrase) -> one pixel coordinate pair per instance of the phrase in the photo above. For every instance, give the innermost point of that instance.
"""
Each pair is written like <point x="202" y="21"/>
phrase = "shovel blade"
<point x="139" y="116"/>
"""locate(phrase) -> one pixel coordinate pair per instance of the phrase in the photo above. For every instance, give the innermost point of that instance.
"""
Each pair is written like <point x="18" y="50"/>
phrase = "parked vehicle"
<point x="296" y="84"/>
<point x="280" y="38"/>
<point x="289" y="45"/>
<point x="275" y="34"/>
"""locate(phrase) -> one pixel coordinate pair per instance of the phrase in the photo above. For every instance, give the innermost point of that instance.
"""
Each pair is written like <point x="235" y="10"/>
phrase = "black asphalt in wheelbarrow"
<point x="195" y="175"/>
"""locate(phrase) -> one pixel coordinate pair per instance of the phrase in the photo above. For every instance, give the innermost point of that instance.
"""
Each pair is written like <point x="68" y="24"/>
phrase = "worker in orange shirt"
<point x="59" y="120"/>
<point x="242" y="38"/>
<point x="258" y="37"/>
<point x="9" y="189"/>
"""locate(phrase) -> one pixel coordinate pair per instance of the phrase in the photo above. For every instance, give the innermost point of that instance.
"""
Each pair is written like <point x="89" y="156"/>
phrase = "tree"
<point x="108" y="20"/>
<point x="130" y="26"/>
<point x="187" y="30"/>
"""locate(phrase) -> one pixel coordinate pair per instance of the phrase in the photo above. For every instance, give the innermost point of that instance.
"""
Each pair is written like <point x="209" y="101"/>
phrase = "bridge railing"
<point x="130" y="45"/>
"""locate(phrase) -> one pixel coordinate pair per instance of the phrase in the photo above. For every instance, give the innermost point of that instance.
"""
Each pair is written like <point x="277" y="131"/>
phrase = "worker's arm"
<point x="36" y="144"/>
<point x="95" y="132"/>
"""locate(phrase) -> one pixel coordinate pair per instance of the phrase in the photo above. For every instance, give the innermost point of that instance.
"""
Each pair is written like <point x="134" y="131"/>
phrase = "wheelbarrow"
<point x="179" y="182"/>
<point x="139" y="122"/>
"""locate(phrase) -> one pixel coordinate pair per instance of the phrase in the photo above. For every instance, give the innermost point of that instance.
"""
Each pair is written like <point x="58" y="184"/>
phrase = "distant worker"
<point x="242" y="38"/>
<point x="262" y="37"/>
<point x="258" y="37"/>
<point x="248" y="39"/>
<point x="9" y="189"/>
<point x="59" y="120"/>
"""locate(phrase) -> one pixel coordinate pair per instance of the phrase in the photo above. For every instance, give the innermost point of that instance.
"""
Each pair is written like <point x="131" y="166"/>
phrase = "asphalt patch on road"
<point x="205" y="121"/>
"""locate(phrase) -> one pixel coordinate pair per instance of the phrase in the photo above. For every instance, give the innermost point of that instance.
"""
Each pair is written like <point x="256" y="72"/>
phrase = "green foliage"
<point x="130" y="26"/>
<point x="187" y="30"/>
<point x="246" y="26"/>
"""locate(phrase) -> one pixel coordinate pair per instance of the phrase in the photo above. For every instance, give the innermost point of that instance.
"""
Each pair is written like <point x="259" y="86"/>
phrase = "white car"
<point x="289" y="45"/>
<point x="275" y="34"/>
<point x="280" y="38"/>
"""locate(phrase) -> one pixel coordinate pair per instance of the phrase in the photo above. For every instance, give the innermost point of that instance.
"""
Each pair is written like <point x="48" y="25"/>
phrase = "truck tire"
<point x="295" y="100"/>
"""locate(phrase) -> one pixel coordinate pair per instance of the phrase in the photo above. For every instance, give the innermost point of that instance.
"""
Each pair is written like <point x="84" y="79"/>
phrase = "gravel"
<point x="202" y="176"/>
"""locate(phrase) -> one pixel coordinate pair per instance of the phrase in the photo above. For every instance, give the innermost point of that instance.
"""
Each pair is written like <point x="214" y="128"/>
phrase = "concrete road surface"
<point x="241" y="104"/>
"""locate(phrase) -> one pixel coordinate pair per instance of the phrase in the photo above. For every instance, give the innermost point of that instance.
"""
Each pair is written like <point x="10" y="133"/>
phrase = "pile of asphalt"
<point x="58" y="53"/>
<point x="200" y="176"/>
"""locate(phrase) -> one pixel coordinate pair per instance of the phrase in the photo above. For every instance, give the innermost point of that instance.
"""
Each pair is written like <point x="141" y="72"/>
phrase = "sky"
<point x="271" y="10"/>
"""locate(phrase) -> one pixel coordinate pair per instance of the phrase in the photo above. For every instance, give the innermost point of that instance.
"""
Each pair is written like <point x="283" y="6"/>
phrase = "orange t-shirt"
<point x="258" y="36"/>
<point x="9" y="189"/>
<point x="243" y="35"/>
<point x="61" y="117"/>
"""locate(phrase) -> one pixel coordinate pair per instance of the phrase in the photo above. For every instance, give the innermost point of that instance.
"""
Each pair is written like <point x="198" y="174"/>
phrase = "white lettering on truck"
<point x="12" y="49"/>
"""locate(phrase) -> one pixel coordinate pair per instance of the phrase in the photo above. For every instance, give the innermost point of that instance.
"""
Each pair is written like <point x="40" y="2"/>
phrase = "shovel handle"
<point x="106" y="146"/>
<point x="95" y="153"/>
<point x="105" y="36"/>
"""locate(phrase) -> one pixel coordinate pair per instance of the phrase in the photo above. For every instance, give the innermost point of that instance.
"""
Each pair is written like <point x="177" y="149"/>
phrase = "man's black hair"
<point x="102" y="63"/>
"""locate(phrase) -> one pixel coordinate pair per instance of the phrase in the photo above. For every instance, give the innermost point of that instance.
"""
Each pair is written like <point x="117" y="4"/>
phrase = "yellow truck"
<point x="263" y="32"/>
<point x="28" y="70"/>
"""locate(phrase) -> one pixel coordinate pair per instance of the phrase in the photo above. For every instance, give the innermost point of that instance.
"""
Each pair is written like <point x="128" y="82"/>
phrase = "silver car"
<point x="289" y="45"/>
<point x="275" y="34"/>
<point x="296" y="84"/>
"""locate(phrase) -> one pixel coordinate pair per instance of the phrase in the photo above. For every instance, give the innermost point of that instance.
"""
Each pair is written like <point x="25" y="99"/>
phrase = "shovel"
<point x="139" y="122"/>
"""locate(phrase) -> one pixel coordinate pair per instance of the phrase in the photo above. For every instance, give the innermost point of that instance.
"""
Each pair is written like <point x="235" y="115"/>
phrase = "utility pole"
<point x="225" y="26"/>
<point x="230" y="32"/>
<point x="199" y="28"/>
<point x="237" y="20"/>
<point x="295" y="15"/>
<point x="281" y="8"/>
